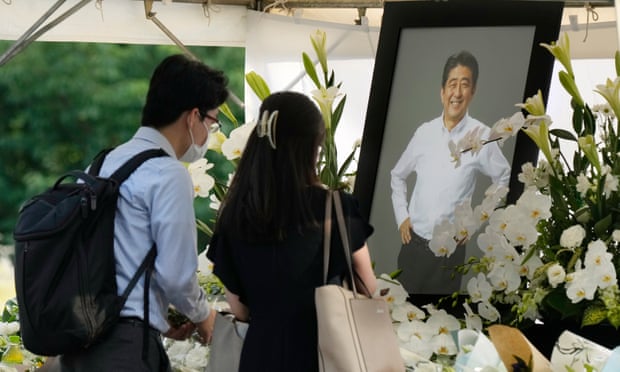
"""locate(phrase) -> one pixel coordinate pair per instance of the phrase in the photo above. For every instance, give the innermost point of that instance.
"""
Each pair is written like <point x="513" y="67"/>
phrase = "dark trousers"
<point x="120" y="350"/>
<point x="425" y="275"/>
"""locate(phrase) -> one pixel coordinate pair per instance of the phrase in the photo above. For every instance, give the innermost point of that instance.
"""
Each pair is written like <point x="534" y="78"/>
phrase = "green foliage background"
<point x="60" y="103"/>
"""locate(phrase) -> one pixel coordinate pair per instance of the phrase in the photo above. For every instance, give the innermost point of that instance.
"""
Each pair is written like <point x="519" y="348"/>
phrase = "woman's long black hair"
<point x="268" y="193"/>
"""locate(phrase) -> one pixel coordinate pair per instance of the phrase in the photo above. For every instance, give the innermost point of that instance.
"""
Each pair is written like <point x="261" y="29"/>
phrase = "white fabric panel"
<point x="124" y="21"/>
<point x="274" y="45"/>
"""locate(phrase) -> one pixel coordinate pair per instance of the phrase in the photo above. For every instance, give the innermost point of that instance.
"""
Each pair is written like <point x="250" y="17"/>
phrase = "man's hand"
<point x="182" y="332"/>
<point x="205" y="328"/>
<point x="405" y="231"/>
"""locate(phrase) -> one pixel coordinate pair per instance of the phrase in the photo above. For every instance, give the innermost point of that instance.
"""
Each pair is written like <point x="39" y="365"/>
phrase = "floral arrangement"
<point x="554" y="254"/>
<point x="11" y="348"/>
<point x="211" y="176"/>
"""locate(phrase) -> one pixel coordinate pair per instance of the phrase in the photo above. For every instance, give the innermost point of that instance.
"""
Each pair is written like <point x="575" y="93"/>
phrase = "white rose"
<point x="616" y="235"/>
<point x="572" y="237"/>
<point x="556" y="274"/>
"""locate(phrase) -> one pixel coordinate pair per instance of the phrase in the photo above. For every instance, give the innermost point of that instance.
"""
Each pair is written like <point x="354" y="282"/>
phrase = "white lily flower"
<point x="583" y="184"/>
<point x="215" y="141"/>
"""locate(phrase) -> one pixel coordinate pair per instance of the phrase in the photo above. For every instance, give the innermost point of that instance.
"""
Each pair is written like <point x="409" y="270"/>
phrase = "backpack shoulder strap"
<point x="132" y="164"/>
<point x="95" y="167"/>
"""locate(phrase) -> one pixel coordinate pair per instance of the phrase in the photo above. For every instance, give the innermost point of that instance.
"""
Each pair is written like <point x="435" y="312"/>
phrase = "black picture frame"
<point x="415" y="40"/>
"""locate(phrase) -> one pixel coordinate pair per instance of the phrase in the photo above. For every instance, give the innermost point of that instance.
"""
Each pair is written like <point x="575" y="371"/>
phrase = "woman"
<point x="267" y="247"/>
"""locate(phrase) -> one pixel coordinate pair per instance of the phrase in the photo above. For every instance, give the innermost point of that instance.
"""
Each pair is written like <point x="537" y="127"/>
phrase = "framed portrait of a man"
<point x="444" y="69"/>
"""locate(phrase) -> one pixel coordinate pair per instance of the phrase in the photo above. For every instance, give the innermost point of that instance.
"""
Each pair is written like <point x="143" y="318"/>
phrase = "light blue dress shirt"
<point x="156" y="206"/>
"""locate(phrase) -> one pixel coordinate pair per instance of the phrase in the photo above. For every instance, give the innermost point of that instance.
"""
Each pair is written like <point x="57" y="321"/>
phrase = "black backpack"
<point x="65" y="277"/>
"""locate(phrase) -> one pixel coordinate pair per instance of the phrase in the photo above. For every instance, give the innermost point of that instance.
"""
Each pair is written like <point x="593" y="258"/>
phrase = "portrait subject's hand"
<point x="405" y="231"/>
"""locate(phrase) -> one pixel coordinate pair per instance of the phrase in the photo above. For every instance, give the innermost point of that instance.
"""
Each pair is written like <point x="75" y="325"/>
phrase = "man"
<point x="155" y="206"/>
<point x="440" y="187"/>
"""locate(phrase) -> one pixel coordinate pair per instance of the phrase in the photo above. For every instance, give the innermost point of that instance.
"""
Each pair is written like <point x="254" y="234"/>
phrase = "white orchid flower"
<point x="391" y="290"/>
<point x="479" y="288"/>
<point x="506" y="128"/>
<point x="581" y="286"/>
<point x="442" y="243"/>
<point x="202" y="181"/>
<point x="233" y="147"/>
<point x="535" y="205"/>
<point x="472" y="320"/>
<point x="407" y="312"/>
<point x="488" y="311"/>
<point x="505" y="277"/>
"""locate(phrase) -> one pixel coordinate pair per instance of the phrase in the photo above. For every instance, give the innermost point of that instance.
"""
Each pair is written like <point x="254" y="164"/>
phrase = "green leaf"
<point x="589" y="121"/>
<point x="310" y="70"/>
<point x="338" y="112"/>
<point x="225" y="109"/>
<point x="577" y="118"/>
<point x="258" y="85"/>
<point x="345" y="165"/>
<point x="593" y="314"/>
<point x="394" y="274"/>
<point x="600" y="227"/>
<point x="564" y="134"/>
<point x="617" y="60"/>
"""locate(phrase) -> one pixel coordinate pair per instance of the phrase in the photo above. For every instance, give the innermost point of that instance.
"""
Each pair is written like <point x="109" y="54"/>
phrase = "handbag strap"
<point x="334" y="196"/>
<point x="327" y="232"/>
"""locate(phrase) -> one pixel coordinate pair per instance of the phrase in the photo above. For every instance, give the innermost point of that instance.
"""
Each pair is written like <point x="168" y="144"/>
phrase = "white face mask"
<point x="195" y="152"/>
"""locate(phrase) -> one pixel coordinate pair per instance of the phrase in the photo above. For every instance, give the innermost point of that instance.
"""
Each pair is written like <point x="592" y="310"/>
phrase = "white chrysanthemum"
<point x="556" y="274"/>
<point x="197" y="358"/>
<point x="572" y="236"/>
<point x="616" y="236"/>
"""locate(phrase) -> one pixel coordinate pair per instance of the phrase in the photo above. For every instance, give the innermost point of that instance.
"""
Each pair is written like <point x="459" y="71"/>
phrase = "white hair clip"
<point x="267" y="127"/>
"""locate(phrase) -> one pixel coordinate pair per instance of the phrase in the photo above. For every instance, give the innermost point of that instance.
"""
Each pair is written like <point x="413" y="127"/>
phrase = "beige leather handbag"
<point x="355" y="332"/>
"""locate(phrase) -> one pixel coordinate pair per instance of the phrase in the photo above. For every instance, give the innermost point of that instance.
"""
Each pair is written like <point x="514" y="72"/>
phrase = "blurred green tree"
<point x="61" y="103"/>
